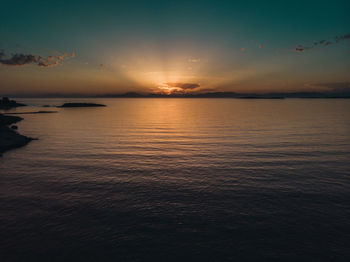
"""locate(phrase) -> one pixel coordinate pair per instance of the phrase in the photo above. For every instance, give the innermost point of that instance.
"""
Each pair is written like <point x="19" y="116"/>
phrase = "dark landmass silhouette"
<point x="9" y="138"/>
<point x="81" y="105"/>
<point x="330" y="94"/>
<point x="6" y="103"/>
<point x="36" y="112"/>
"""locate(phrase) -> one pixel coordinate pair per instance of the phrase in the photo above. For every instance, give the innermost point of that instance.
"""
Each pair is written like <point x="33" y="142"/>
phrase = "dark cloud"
<point x="183" y="86"/>
<point x="324" y="42"/>
<point x="18" y="60"/>
<point x="342" y="37"/>
<point x="300" y="48"/>
<point x="327" y="43"/>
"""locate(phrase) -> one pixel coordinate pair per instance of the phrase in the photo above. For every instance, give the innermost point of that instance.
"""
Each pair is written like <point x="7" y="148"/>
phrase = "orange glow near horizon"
<point x="152" y="71"/>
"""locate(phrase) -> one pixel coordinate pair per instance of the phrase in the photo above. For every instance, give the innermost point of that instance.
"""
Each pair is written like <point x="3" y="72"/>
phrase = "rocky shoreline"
<point x="9" y="138"/>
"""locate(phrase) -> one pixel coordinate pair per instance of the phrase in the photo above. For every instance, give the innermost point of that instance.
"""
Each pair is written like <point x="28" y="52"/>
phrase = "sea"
<point x="178" y="179"/>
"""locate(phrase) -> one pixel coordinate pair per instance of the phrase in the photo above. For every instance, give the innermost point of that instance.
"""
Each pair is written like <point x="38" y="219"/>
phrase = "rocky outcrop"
<point x="9" y="138"/>
<point x="6" y="103"/>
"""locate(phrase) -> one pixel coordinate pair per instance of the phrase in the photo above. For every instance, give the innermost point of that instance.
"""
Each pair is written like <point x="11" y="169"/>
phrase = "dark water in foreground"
<point x="179" y="180"/>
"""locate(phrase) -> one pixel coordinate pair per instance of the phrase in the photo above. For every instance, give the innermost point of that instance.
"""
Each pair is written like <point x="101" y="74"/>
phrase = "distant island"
<point x="81" y="105"/>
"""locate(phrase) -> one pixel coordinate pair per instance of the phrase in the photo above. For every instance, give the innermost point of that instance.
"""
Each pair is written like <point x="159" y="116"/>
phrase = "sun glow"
<point x="171" y="72"/>
<point x="159" y="72"/>
<point x="166" y="88"/>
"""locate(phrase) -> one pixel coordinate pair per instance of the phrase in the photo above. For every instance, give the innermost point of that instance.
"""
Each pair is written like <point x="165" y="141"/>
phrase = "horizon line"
<point x="218" y="94"/>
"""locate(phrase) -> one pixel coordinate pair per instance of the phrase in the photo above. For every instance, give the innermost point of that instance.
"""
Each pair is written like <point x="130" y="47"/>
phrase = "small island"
<point x="68" y="105"/>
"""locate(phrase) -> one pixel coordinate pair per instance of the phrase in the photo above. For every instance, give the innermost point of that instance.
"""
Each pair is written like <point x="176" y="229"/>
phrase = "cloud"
<point x="300" y="48"/>
<point x="20" y="60"/>
<point x="103" y="67"/>
<point x="324" y="42"/>
<point x="108" y="67"/>
<point x="342" y="37"/>
<point x="194" y="60"/>
<point x="327" y="43"/>
<point x="183" y="86"/>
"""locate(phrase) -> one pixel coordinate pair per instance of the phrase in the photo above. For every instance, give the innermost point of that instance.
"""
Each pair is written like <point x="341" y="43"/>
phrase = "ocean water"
<point x="179" y="180"/>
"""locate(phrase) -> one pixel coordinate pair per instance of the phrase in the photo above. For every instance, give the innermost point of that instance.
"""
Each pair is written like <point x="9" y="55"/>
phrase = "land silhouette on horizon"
<point x="273" y="95"/>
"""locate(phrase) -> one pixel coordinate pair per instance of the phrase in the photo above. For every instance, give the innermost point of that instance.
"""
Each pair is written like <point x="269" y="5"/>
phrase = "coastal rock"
<point x="9" y="120"/>
<point x="6" y="103"/>
<point x="9" y="138"/>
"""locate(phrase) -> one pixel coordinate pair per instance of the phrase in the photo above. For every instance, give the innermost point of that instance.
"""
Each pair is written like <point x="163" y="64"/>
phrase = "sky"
<point x="111" y="47"/>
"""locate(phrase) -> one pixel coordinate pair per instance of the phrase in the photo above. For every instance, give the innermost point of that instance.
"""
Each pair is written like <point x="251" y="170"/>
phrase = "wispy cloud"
<point x="108" y="67"/>
<point x="300" y="48"/>
<point x="194" y="60"/>
<point x="342" y="37"/>
<point x="20" y="60"/>
<point x="324" y="42"/>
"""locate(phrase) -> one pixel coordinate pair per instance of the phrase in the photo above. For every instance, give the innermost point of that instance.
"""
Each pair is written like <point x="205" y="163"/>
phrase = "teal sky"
<point x="100" y="47"/>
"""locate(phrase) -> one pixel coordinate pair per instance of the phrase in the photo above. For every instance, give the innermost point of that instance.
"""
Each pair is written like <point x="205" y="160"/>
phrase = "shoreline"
<point x="9" y="138"/>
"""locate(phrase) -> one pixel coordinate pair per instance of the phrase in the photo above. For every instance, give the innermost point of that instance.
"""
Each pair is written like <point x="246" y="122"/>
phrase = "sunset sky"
<point x="111" y="47"/>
